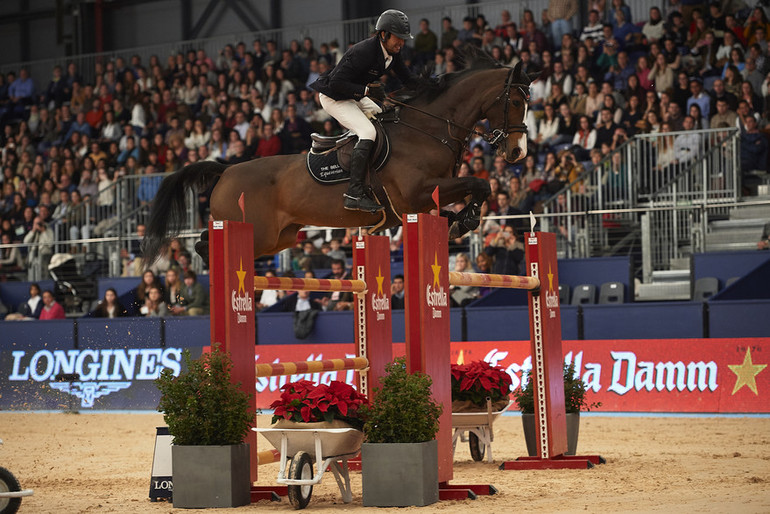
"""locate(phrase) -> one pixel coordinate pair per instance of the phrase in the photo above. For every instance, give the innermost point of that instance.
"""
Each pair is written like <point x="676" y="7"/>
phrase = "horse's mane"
<point x="427" y="88"/>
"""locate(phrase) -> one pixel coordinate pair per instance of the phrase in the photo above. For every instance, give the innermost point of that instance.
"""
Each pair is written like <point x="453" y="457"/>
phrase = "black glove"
<point x="376" y="91"/>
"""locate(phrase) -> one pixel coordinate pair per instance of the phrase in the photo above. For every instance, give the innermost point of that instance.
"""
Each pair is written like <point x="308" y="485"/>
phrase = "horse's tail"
<point x="168" y="213"/>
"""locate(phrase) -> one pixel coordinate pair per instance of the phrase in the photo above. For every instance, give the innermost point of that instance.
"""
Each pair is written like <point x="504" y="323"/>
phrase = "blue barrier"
<point x="739" y="318"/>
<point x="668" y="320"/>
<point x="725" y="265"/>
<point x="752" y="286"/>
<point x="511" y="323"/>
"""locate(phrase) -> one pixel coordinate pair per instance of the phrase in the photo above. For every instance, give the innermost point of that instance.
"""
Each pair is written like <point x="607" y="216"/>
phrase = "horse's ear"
<point x="533" y="76"/>
<point x="517" y="70"/>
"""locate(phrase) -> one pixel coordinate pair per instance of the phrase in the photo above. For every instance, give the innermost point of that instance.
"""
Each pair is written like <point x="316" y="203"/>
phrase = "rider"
<point x="345" y="88"/>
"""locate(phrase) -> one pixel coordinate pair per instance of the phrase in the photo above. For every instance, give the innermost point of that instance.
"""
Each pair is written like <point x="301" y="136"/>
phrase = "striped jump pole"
<point x="459" y="278"/>
<point x="300" y="367"/>
<point x="309" y="284"/>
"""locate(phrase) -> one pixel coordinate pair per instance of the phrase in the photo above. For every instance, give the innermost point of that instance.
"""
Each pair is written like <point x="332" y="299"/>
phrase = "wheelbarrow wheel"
<point x="8" y="484"/>
<point x="477" y="449"/>
<point x="301" y="469"/>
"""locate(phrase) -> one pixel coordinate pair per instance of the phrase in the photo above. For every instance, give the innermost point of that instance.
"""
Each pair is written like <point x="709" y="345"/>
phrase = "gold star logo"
<point x="550" y="278"/>
<point x="379" y="278"/>
<point x="436" y="270"/>
<point x="746" y="373"/>
<point x="241" y="277"/>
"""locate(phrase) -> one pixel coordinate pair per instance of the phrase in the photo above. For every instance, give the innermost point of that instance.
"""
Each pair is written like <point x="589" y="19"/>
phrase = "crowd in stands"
<point x="691" y="65"/>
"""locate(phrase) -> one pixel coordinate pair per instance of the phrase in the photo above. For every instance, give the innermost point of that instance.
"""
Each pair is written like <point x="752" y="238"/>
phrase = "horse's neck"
<point x="468" y="99"/>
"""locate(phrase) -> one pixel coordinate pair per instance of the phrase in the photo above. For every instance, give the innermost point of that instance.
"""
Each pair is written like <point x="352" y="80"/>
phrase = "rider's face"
<point x="393" y="44"/>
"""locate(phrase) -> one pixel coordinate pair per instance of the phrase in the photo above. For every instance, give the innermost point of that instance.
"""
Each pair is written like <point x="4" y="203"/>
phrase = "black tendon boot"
<point x="355" y="198"/>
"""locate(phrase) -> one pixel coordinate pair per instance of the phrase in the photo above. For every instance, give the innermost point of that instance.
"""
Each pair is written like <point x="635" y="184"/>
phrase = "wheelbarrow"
<point x="328" y="448"/>
<point x="475" y="428"/>
<point x="10" y="491"/>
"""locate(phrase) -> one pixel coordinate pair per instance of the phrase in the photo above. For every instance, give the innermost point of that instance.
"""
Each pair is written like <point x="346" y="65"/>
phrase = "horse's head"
<point x="507" y="116"/>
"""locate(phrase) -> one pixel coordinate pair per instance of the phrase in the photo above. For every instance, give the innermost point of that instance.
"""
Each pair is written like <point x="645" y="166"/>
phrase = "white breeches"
<point x="353" y="115"/>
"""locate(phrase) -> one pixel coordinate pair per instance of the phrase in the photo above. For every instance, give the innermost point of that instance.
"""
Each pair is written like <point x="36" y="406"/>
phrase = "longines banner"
<point x="86" y="379"/>
<point x="682" y="375"/>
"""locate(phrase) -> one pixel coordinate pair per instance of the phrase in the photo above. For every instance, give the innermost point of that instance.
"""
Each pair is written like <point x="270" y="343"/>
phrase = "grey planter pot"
<point x="530" y="436"/>
<point x="399" y="474"/>
<point x="210" y="476"/>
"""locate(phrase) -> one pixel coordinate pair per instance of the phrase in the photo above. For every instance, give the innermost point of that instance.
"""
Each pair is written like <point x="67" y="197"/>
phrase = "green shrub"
<point x="574" y="393"/>
<point x="402" y="410"/>
<point x="202" y="406"/>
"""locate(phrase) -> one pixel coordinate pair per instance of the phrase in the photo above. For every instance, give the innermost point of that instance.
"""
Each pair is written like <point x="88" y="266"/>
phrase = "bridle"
<point x="496" y="135"/>
<point x="492" y="137"/>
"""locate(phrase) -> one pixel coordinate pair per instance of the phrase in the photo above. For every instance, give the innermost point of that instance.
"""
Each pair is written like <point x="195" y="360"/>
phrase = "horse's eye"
<point x="517" y="103"/>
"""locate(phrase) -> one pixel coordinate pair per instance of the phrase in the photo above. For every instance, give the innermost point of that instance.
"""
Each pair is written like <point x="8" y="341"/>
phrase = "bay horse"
<point x="436" y="121"/>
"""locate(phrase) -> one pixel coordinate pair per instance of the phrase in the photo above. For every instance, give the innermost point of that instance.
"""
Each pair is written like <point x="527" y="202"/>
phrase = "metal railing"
<point x="650" y="172"/>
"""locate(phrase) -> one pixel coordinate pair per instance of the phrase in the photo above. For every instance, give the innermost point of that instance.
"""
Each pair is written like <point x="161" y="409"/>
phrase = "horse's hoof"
<point x="471" y="224"/>
<point x="456" y="230"/>
<point x="202" y="249"/>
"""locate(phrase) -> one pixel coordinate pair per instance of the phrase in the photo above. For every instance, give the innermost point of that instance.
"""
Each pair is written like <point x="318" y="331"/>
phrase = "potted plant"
<point x="303" y="404"/>
<point x="400" y="456"/>
<point x="208" y="416"/>
<point x="475" y="383"/>
<point x="574" y="402"/>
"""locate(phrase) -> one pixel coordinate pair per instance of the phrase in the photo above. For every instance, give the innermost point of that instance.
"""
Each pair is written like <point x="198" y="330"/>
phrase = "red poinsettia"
<point x="477" y="381"/>
<point x="305" y="402"/>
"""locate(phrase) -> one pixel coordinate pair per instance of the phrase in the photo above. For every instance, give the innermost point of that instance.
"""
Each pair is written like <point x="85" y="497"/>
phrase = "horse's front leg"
<point x="456" y="189"/>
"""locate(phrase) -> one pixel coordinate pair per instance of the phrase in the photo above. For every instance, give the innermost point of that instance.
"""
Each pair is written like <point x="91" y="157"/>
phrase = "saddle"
<point x="328" y="162"/>
<point x="329" y="158"/>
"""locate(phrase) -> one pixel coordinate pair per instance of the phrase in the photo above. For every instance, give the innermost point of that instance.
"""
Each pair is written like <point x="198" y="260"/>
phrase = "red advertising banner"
<point x="670" y="375"/>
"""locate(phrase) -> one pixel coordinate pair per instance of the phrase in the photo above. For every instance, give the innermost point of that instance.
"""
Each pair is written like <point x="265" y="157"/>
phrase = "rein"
<point x="493" y="137"/>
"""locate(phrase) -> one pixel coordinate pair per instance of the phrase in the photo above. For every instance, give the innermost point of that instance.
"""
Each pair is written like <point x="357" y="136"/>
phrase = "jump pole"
<point x="232" y="281"/>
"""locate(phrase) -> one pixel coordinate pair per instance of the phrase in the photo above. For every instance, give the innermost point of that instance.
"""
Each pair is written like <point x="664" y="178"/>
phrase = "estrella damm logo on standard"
<point x="551" y="296"/>
<point x="435" y="294"/>
<point x="380" y="301"/>
<point x="241" y="301"/>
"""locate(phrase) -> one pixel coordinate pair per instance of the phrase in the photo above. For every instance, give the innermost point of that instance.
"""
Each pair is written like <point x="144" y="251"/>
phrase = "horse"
<point x="436" y="120"/>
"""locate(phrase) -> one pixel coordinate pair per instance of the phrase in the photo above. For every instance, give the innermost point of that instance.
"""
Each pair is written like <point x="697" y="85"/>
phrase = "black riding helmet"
<point x="395" y="22"/>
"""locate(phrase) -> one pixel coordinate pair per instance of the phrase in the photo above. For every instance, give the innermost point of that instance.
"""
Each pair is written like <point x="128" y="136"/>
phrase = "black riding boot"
<point x="355" y="198"/>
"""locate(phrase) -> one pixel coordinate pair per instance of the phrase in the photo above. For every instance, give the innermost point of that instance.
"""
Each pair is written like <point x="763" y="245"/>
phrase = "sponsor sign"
<point x="107" y="378"/>
<point x="682" y="375"/>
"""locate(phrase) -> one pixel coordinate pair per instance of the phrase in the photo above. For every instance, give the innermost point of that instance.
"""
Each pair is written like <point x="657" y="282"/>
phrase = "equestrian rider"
<point x="347" y="90"/>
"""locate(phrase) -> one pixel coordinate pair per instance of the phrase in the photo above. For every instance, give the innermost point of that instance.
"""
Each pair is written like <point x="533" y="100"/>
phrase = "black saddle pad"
<point x="326" y="168"/>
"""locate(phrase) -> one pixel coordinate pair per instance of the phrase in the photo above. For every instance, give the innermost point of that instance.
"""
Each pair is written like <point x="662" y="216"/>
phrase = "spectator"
<point x="154" y="305"/>
<point x="110" y="306"/>
<point x="425" y="44"/>
<point x="32" y="307"/>
<point x="462" y="295"/>
<point x="397" y="293"/>
<point x="594" y="28"/>
<point x="148" y="185"/>
<point x="10" y="257"/>
<point x="724" y="116"/>
<point x="337" y="301"/>
<point x="507" y="251"/>
<point x="753" y="147"/>
<point x="193" y="298"/>
<point x="448" y="33"/>
<point x="687" y="146"/>
<point x="51" y="308"/>
<point x="40" y="239"/>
